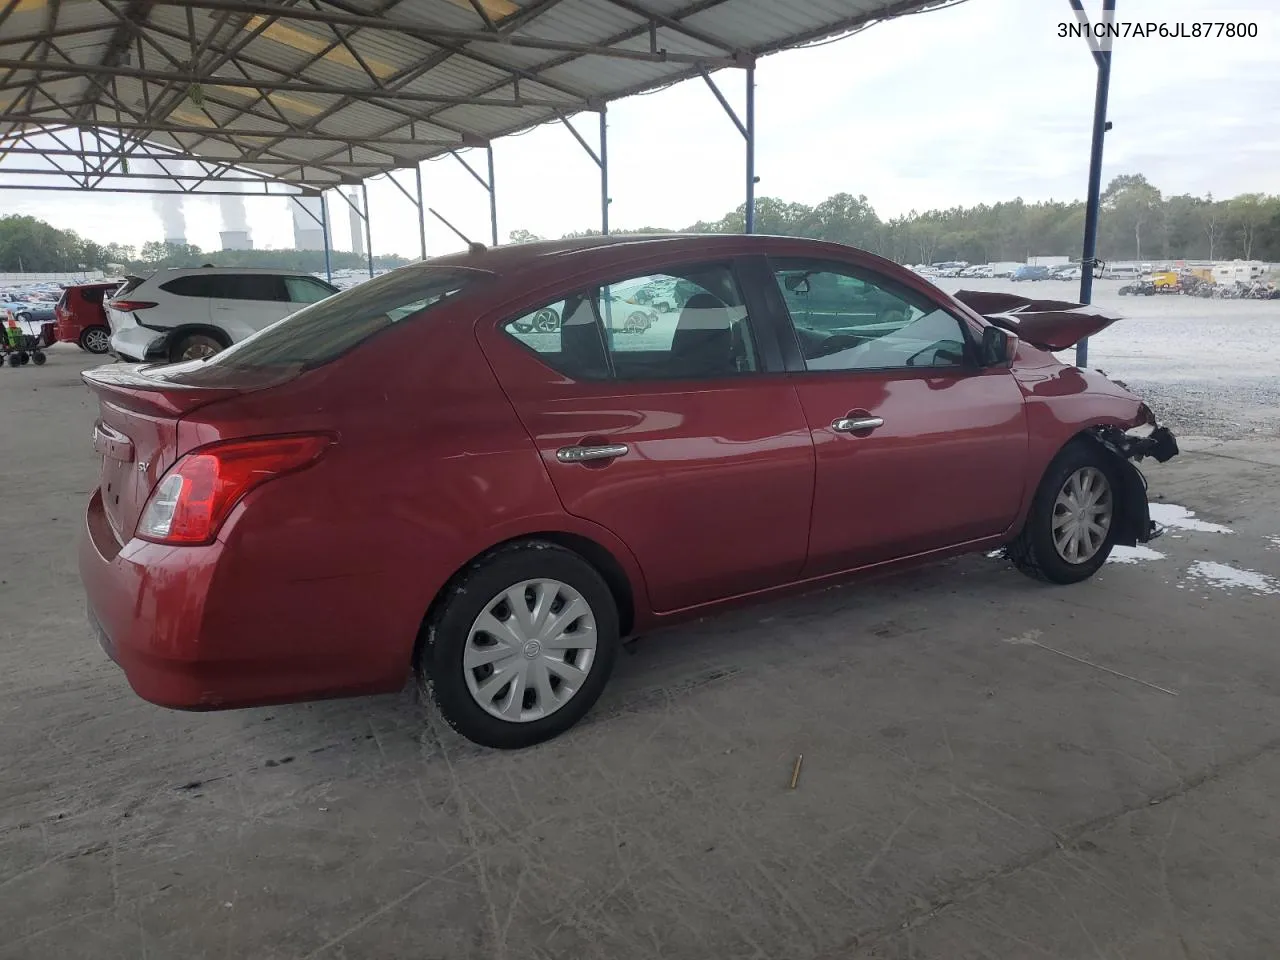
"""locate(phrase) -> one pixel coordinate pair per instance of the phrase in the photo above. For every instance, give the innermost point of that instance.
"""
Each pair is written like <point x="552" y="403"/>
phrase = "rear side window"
<point x="228" y="286"/>
<point x="688" y="324"/>
<point x="252" y="286"/>
<point x="93" y="294"/>
<point x="323" y="331"/>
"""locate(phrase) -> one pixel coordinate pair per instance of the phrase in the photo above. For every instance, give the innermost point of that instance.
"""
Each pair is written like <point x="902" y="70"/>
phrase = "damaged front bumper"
<point x="1160" y="444"/>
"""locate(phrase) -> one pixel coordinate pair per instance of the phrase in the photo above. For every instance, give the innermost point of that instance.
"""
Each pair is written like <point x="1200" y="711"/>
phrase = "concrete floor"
<point x="992" y="768"/>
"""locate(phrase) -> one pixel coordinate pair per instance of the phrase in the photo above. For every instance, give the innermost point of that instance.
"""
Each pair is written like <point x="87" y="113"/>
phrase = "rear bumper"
<point x="138" y="344"/>
<point x="175" y="623"/>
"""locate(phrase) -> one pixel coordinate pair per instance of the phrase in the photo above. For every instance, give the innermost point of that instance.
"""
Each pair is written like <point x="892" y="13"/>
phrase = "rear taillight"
<point x="192" y="500"/>
<point x="129" y="306"/>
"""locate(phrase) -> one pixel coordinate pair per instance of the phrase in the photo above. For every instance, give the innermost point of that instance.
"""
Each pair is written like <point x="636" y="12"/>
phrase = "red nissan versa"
<point x="414" y="475"/>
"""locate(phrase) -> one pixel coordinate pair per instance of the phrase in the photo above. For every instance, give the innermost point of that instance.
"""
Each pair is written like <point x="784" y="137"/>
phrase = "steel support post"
<point x="1089" y="254"/>
<point x="493" y="198"/>
<point x="368" y="229"/>
<point x="422" y="221"/>
<point x="604" y="173"/>
<point x="751" y="150"/>
<point x="748" y="131"/>
<point x="324" y="230"/>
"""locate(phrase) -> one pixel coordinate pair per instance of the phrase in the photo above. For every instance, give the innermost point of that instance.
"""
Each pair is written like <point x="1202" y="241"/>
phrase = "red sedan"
<point x="472" y="470"/>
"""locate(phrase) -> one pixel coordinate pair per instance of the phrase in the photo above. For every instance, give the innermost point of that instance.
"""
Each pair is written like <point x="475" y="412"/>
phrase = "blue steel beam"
<point x="1089" y="254"/>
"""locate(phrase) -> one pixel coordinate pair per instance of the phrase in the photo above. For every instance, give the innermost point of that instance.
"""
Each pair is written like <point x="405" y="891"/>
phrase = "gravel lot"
<point x="1207" y="367"/>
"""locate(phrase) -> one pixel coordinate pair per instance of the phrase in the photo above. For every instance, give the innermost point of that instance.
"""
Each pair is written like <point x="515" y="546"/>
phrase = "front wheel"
<point x="1070" y="529"/>
<point x="520" y="646"/>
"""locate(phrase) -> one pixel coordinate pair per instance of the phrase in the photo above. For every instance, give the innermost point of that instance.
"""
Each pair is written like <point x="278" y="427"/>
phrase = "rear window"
<point x="128" y="286"/>
<point x="323" y="331"/>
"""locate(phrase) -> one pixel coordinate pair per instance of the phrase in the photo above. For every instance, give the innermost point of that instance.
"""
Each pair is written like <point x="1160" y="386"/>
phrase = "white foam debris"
<point x="1173" y="515"/>
<point x="1123" y="554"/>
<point x="1228" y="577"/>
<point x="995" y="553"/>
<point x="1275" y="543"/>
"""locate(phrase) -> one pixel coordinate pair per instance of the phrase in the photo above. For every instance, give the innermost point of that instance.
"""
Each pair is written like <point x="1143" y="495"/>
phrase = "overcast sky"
<point x="977" y="103"/>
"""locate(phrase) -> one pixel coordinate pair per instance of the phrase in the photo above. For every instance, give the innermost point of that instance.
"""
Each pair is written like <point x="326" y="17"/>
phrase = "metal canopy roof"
<point x="316" y="93"/>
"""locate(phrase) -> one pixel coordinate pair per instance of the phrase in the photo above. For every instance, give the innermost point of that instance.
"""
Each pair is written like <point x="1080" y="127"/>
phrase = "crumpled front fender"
<point x="1135" y="523"/>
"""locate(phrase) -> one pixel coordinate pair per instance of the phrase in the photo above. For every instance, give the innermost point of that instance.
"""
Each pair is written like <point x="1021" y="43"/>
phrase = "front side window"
<point x="686" y="324"/>
<point x="847" y="319"/>
<point x="306" y="289"/>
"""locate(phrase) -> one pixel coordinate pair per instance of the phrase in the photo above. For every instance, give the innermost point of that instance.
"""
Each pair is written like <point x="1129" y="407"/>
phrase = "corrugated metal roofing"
<point x="326" y="92"/>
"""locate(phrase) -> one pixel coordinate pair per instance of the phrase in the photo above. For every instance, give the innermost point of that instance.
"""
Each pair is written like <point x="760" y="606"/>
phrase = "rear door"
<point x="673" y="428"/>
<point x="247" y="302"/>
<point x="918" y="448"/>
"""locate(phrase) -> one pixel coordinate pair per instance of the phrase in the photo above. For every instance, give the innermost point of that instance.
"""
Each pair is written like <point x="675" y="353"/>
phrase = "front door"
<point x="918" y="448"/>
<point x="656" y="418"/>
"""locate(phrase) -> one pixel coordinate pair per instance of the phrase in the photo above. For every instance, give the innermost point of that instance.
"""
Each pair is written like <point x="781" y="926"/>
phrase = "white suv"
<point x="183" y="314"/>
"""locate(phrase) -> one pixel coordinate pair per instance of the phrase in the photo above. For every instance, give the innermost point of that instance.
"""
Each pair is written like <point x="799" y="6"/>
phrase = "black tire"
<point x="13" y="359"/>
<point x="38" y="358"/>
<point x="1033" y="552"/>
<point x="194" y="344"/>
<point x="440" y="659"/>
<point x="92" y="340"/>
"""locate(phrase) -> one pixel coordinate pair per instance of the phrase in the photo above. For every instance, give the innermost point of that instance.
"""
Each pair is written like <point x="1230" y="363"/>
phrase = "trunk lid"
<point x="1048" y="324"/>
<point x="136" y="433"/>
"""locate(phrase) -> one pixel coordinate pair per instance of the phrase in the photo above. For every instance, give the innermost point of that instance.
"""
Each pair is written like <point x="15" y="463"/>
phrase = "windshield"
<point x="324" y="330"/>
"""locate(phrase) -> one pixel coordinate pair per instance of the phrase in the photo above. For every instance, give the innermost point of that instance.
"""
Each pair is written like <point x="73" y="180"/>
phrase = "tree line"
<point x="29" y="245"/>
<point x="1137" y="223"/>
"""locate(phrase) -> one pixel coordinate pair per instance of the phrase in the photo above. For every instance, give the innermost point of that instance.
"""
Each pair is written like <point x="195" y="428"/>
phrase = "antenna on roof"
<point x="472" y="246"/>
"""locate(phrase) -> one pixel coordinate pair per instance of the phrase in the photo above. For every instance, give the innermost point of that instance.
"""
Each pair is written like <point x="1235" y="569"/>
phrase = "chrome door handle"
<point x="856" y="424"/>
<point x="608" y="451"/>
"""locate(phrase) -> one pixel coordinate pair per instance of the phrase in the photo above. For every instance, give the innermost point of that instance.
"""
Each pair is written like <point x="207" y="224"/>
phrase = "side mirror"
<point x="997" y="346"/>
<point x="797" y="283"/>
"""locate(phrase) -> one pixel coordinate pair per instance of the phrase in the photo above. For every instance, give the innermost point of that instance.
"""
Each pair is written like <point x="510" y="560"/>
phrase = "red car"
<point x="80" y="317"/>
<point x="410" y="476"/>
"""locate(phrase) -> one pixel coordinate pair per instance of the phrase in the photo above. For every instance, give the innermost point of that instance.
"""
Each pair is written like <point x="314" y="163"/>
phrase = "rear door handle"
<point x="606" y="451"/>
<point x="856" y="424"/>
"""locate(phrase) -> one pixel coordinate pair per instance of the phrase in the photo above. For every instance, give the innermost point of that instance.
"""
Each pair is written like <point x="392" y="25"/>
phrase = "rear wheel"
<point x="521" y="645"/>
<point x="95" y="340"/>
<point x="1071" y="528"/>
<point x="38" y="358"/>
<point x="194" y="346"/>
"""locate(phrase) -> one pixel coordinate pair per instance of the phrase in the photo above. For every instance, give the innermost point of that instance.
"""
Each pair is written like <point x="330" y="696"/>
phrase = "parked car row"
<point x="986" y="271"/>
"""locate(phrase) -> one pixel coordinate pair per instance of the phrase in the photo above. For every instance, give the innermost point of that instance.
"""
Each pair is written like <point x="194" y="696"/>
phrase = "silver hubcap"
<point x="97" y="341"/>
<point x="1082" y="515"/>
<point x="530" y="650"/>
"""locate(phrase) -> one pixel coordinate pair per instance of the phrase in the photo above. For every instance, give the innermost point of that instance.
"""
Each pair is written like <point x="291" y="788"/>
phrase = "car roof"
<point x="513" y="258"/>
<point x="183" y="271"/>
